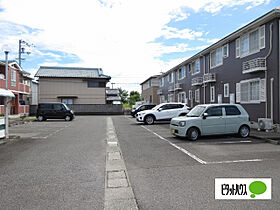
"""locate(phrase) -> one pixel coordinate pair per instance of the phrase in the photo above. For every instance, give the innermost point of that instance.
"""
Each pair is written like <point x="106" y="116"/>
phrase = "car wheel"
<point x="67" y="118"/>
<point x="193" y="134"/>
<point x="40" y="118"/>
<point x="244" y="131"/>
<point x="149" y="120"/>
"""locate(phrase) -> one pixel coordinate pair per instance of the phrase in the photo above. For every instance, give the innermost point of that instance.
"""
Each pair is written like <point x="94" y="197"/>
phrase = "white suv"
<point x="164" y="111"/>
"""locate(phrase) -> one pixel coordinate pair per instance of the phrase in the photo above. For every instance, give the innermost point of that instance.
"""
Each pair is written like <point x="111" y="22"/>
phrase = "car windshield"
<point x="196" y="111"/>
<point x="66" y="107"/>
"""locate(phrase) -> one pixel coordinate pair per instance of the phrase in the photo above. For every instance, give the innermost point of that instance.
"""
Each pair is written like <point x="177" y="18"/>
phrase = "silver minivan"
<point x="212" y="119"/>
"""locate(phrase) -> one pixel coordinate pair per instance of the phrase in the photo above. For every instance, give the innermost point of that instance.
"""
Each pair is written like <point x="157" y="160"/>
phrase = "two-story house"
<point x="150" y="90"/>
<point x="72" y="85"/>
<point x="19" y="83"/>
<point x="243" y="67"/>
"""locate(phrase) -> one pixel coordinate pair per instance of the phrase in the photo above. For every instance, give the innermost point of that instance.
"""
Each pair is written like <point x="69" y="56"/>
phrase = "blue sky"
<point x="130" y="39"/>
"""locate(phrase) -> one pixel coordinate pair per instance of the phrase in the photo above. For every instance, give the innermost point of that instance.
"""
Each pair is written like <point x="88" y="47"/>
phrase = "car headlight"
<point x="182" y="123"/>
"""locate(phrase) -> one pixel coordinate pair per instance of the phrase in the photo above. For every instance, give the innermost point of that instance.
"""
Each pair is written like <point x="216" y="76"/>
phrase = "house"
<point x="243" y="67"/>
<point x="19" y="84"/>
<point x="150" y="90"/>
<point x="72" y="85"/>
<point x="112" y="96"/>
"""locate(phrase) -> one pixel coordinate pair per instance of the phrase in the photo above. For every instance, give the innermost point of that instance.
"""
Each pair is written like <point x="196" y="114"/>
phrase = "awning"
<point x="67" y="96"/>
<point x="6" y="93"/>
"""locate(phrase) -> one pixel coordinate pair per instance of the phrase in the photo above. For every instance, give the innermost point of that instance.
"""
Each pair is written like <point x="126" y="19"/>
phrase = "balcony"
<point x="178" y="86"/>
<point x="197" y="81"/>
<point x="159" y="91"/>
<point x="112" y="91"/>
<point x="171" y="88"/>
<point x="210" y="77"/>
<point x="254" y="65"/>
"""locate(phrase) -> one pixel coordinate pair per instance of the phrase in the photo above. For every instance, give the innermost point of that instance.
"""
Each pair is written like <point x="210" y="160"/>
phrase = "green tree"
<point x="123" y="95"/>
<point x="133" y="97"/>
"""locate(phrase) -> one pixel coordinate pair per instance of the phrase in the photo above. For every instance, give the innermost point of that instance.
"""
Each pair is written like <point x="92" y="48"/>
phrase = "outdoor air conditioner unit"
<point x="265" y="124"/>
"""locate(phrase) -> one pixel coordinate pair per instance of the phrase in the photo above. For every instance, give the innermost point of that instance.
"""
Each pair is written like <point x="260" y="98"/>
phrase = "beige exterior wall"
<point x="152" y="91"/>
<point x="51" y="88"/>
<point x="154" y="83"/>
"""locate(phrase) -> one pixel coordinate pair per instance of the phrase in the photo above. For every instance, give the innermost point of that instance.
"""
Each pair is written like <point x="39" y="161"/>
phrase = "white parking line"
<point x="197" y="158"/>
<point x="177" y="147"/>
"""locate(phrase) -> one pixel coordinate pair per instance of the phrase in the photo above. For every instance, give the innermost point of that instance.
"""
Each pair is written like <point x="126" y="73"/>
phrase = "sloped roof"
<point x="70" y="72"/>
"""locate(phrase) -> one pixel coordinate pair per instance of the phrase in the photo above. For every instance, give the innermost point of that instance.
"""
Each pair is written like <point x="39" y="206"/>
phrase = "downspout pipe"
<point x="269" y="53"/>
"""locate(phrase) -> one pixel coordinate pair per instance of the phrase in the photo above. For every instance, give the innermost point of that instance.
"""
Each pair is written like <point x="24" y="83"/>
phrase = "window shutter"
<point x="238" y="96"/>
<point x="262" y="37"/>
<point x="262" y="90"/>
<point x="237" y="48"/>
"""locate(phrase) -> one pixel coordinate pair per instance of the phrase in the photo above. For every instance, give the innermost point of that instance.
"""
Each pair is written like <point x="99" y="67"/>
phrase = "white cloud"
<point x="170" y="32"/>
<point x="113" y="34"/>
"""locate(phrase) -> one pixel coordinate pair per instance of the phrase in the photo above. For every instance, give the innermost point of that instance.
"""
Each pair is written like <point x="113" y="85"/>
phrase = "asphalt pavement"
<point x="172" y="173"/>
<point x="56" y="165"/>
<point x="95" y="162"/>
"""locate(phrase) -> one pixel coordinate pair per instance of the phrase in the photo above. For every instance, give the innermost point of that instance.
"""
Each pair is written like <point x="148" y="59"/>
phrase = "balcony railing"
<point x="171" y="88"/>
<point x="159" y="91"/>
<point x="178" y="86"/>
<point x="112" y="91"/>
<point x="197" y="81"/>
<point x="210" y="77"/>
<point x="257" y="64"/>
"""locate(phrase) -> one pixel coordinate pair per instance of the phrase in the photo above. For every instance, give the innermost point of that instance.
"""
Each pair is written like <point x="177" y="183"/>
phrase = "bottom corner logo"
<point x="257" y="188"/>
<point x="243" y="188"/>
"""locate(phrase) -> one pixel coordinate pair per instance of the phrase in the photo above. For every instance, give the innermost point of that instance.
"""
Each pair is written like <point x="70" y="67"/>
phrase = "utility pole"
<point x="21" y="49"/>
<point x="6" y="98"/>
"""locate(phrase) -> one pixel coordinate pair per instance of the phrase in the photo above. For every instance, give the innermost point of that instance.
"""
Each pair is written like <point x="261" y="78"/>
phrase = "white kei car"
<point x="212" y="119"/>
<point x="164" y="111"/>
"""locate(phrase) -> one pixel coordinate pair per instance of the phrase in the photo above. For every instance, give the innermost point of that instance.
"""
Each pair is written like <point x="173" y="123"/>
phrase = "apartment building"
<point x="150" y="90"/>
<point x="72" y="85"/>
<point x="19" y="84"/>
<point x="243" y="68"/>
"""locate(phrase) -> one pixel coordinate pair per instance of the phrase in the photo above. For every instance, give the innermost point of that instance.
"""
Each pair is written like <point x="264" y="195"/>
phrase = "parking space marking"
<point x="177" y="147"/>
<point x="50" y="134"/>
<point x="199" y="159"/>
<point x="235" y="161"/>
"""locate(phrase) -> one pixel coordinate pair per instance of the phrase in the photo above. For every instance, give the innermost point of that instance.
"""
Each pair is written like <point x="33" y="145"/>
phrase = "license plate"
<point x="173" y="131"/>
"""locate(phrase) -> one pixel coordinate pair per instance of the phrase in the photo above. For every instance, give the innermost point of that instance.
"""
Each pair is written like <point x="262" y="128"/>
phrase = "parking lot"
<point x="169" y="172"/>
<point x="216" y="149"/>
<point x="164" y="172"/>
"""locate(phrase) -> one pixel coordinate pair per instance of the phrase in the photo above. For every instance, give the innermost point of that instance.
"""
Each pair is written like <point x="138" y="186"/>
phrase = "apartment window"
<point x="67" y="100"/>
<point x="226" y="90"/>
<point x="197" y="95"/>
<point x="13" y="78"/>
<point x="250" y="91"/>
<point x="150" y="83"/>
<point x="182" y="97"/>
<point x="170" y="97"/>
<point x="151" y="99"/>
<point x="190" y="95"/>
<point x="225" y="51"/>
<point x="181" y="73"/>
<point x="161" y="82"/>
<point x="251" y="42"/>
<point x="212" y="93"/>
<point x="162" y="99"/>
<point x="196" y="66"/>
<point x="171" y="77"/>
<point x="216" y="58"/>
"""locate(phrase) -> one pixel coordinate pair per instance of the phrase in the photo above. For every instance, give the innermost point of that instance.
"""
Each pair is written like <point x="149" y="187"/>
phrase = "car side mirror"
<point x="159" y="109"/>
<point x="204" y="115"/>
